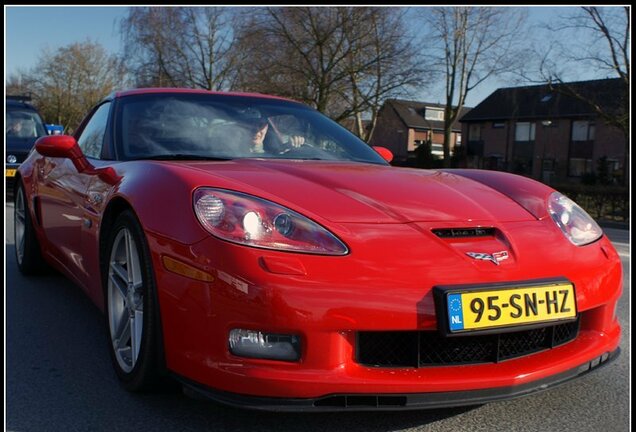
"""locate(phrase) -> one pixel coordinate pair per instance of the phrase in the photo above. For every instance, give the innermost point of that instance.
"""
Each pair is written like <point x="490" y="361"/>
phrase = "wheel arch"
<point x="116" y="206"/>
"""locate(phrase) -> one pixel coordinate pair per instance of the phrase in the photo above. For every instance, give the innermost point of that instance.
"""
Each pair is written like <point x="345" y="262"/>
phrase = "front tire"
<point x="27" y="248"/>
<point x="131" y="312"/>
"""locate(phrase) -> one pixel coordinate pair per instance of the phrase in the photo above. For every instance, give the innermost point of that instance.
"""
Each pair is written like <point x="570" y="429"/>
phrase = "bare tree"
<point x="181" y="46"/>
<point x="301" y="52"/>
<point x="69" y="81"/>
<point x="276" y="64"/>
<point x="470" y="45"/>
<point x="20" y="83"/>
<point x="598" y="40"/>
<point x="344" y="61"/>
<point x="385" y="64"/>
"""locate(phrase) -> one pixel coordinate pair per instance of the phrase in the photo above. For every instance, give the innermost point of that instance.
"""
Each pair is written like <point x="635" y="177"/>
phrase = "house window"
<point x="523" y="149"/>
<point x="434" y="114"/>
<point x="437" y="149"/>
<point x="498" y="125"/>
<point x="493" y="162"/>
<point x="580" y="166"/>
<point x="613" y="165"/>
<point x="524" y="131"/>
<point x="581" y="148"/>
<point x="474" y="132"/>
<point x="546" y="98"/>
<point x="583" y="130"/>
<point x="458" y="139"/>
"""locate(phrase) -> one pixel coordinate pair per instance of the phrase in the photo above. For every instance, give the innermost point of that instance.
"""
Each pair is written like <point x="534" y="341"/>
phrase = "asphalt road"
<point x="59" y="378"/>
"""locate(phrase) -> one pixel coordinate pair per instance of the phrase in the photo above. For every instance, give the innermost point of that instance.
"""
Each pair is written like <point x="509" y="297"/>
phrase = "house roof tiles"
<point x="540" y="101"/>
<point x="412" y="114"/>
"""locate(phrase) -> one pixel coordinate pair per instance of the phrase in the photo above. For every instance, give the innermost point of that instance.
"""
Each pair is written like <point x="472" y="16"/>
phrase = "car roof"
<point x="19" y="104"/>
<point x="154" y="90"/>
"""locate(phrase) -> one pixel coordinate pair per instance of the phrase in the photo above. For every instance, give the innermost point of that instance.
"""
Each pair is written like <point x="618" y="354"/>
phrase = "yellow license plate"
<point x="10" y="172"/>
<point x="483" y="309"/>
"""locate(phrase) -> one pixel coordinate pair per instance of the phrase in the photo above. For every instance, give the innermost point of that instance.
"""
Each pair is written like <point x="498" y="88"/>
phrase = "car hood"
<point x="348" y="192"/>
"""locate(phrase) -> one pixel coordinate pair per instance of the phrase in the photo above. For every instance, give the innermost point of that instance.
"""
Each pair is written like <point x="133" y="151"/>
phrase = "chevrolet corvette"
<point x="261" y="255"/>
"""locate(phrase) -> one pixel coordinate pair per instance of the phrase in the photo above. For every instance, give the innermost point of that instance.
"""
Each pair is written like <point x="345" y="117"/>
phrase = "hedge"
<point x="609" y="203"/>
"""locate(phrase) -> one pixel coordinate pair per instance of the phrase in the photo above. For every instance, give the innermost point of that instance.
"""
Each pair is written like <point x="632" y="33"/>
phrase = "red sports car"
<point x="265" y="257"/>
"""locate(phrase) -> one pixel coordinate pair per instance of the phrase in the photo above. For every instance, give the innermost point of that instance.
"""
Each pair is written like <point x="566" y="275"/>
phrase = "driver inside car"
<point x="259" y="143"/>
<point x="16" y="127"/>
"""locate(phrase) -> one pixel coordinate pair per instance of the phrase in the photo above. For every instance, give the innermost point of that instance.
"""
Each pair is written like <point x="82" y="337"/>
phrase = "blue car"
<point x="24" y="126"/>
<point x="53" y="129"/>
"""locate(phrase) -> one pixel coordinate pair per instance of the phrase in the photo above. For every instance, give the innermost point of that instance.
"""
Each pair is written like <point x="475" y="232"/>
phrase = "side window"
<point x="92" y="137"/>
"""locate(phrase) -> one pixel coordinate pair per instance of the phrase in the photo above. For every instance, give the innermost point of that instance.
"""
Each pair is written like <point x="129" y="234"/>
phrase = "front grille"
<point x="20" y="156"/>
<point x="429" y="348"/>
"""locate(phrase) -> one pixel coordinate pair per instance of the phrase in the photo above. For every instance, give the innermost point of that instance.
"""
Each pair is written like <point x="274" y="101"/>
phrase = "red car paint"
<point x="385" y="216"/>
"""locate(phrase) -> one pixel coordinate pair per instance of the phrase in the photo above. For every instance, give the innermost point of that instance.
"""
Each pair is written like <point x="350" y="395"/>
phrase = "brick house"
<point x="403" y="126"/>
<point x="351" y="125"/>
<point x="543" y="133"/>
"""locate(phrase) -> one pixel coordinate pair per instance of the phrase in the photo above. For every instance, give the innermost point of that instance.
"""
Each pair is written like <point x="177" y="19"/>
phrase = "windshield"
<point x="171" y="125"/>
<point x="23" y="123"/>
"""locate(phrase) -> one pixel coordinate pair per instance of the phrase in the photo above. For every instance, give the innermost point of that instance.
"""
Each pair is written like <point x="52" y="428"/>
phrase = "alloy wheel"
<point x="125" y="300"/>
<point x="19" y="224"/>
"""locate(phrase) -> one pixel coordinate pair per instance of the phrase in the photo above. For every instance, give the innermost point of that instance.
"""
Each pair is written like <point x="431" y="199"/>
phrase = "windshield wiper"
<point x="301" y="158"/>
<point x="181" y="156"/>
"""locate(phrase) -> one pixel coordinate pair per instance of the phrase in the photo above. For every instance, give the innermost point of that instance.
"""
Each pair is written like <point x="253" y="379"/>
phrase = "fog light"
<point x="255" y="344"/>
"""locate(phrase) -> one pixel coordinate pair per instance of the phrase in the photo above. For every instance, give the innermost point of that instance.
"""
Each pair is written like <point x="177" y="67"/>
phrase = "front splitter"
<point x="391" y="401"/>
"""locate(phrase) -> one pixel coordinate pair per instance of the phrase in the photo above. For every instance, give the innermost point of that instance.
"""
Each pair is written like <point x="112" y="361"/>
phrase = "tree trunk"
<point x="374" y="121"/>
<point x="359" y="125"/>
<point x="626" y="160"/>
<point x="447" y="143"/>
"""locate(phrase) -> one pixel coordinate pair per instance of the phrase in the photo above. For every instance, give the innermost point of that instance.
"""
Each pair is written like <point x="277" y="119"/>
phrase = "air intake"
<point x="464" y="232"/>
<point x="428" y="348"/>
<point x="368" y="401"/>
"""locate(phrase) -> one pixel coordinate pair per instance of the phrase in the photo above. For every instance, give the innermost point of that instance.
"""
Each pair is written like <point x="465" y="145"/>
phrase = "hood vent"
<point x="464" y="232"/>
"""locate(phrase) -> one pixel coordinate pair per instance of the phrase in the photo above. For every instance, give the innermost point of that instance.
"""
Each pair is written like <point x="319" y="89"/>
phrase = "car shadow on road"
<point x="59" y="377"/>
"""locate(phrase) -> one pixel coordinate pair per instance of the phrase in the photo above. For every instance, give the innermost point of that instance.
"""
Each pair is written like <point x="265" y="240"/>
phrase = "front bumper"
<point x="378" y="287"/>
<point x="395" y="402"/>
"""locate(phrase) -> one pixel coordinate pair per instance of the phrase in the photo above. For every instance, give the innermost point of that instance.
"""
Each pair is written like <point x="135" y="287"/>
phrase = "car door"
<point x="63" y="195"/>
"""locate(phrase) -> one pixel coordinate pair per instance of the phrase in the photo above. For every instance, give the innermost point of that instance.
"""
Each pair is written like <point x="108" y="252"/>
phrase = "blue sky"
<point x="30" y="30"/>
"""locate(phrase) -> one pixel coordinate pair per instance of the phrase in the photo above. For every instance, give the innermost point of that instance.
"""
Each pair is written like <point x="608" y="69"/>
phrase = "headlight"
<point x="252" y="221"/>
<point x="12" y="159"/>
<point x="576" y="224"/>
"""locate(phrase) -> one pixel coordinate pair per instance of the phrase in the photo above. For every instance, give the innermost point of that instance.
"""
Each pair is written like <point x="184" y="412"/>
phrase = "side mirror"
<point x="62" y="146"/>
<point x="384" y="152"/>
